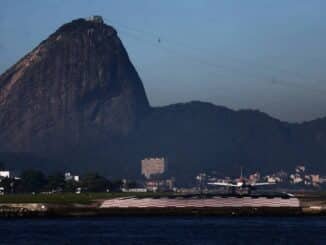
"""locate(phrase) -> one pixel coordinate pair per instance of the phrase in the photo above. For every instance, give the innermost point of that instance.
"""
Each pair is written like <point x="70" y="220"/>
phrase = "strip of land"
<point x="90" y="204"/>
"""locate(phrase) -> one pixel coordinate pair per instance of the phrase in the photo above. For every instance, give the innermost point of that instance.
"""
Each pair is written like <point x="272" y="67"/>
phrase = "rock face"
<point x="77" y="87"/>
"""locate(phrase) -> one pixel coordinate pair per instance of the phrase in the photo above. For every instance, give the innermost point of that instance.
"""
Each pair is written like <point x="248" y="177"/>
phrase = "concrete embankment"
<point x="88" y="211"/>
<point x="72" y="211"/>
<point x="44" y="210"/>
<point x="314" y="210"/>
<point x="47" y="210"/>
<point x="23" y="210"/>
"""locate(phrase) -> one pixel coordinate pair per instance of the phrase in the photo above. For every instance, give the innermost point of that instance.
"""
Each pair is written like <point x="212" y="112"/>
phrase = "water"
<point x="165" y="230"/>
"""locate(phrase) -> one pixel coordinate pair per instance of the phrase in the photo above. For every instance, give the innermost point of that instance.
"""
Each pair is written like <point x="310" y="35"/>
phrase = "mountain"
<point x="76" y="102"/>
<point x="77" y="87"/>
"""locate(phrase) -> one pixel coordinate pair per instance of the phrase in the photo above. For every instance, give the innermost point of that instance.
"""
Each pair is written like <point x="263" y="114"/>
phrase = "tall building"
<point x="153" y="166"/>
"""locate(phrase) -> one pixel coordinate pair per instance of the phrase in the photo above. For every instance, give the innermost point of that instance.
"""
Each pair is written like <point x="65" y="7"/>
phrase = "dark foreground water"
<point x="165" y="230"/>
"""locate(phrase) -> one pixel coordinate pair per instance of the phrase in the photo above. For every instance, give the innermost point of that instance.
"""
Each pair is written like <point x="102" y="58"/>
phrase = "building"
<point x="201" y="180"/>
<point x="153" y="166"/>
<point x="70" y="177"/>
<point x="282" y="175"/>
<point x="315" y="178"/>
<point x="322" y="179"/>
<point x="299" y="176"/>
<point x="4" y="174"/>
<point x="160" y="185"/>
<point x="295" y="179"/>
<point x="255" y="177"/>
<point x="312" y="179"/>
<point x="96" y="19"/>
<point x="137" y="190"/>
<point x="301" y="169"/>
<point x="271" y="179"/>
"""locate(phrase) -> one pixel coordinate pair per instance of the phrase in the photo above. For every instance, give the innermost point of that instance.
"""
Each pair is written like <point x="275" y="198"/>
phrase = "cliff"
<point x="77" y="87"/>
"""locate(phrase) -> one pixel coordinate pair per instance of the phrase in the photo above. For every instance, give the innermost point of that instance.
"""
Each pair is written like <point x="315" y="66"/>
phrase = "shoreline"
<point x="78" y="211"/>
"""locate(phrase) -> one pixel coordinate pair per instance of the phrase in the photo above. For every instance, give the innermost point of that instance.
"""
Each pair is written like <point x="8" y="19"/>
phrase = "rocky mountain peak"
<point x="77" y="86"/>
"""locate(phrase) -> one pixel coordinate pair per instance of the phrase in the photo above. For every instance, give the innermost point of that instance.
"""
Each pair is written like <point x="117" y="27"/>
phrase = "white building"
<point x="255" y="177"/>
<point x="153" y="166"/>
<point x="134" y="190"/>
<point x="96" y="19"/>
<point x="4" y="174"/>
<point x="296" y="179"/>
<point x="322" y="179"/>
<point x="273" y="179"/>
<point x="69" y="177"/>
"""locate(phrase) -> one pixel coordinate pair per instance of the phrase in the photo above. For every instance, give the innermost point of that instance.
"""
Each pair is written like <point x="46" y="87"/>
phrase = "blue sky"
<point x="260" y="54"/>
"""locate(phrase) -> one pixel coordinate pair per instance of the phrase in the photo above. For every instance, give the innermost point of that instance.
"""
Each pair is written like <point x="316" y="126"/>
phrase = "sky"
<point x="257" y="54"/>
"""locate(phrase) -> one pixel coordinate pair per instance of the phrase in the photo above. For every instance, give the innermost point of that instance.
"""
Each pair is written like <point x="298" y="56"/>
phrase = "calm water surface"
<point x="165" y="230"/>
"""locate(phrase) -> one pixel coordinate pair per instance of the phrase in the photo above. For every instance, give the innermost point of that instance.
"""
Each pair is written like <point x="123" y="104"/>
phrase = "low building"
<point x="160" y="185"/>
<point x="295" y="179"/>
<point x="273" y="179"/>
<point x="282" y="175"/>
<point x="322" y="179"/>
<point x="255" y="177"/>
<point x="4" y="174"/>
<point x="137" y="190"/>
<point x="312" y="179"/>
<point x="70" y="177"/>
<point x="96" y="19"/>
<point x="315" y="178"/>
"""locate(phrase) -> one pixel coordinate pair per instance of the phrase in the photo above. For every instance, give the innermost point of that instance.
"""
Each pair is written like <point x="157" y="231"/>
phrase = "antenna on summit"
<point x="96" y="19"/>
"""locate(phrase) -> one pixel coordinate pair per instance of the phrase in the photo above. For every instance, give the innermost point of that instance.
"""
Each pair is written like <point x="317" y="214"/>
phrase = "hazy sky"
<point x="260" y="54"/>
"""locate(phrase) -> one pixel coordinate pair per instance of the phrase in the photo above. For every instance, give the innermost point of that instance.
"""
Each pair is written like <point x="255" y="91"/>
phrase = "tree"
<point x="93" y="182"/>
<point x="132" y="184"/>
<point x="56" y="182"/>
<point x="7" y="184"/>
<point x="116" y="185"/>
<point x="71" y="186"/>
<point x="32" y="181"/>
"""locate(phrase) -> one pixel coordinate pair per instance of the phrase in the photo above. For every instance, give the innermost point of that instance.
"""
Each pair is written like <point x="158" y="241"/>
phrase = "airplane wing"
<point x="262" y="183"/>
<point x="222" y="184"/>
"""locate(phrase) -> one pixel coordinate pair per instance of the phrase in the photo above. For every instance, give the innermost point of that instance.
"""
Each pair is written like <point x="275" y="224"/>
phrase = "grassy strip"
<point x="68" y="198"/>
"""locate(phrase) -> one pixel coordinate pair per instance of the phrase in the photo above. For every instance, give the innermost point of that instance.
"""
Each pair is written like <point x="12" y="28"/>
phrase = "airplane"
<point x="241" y="184"/>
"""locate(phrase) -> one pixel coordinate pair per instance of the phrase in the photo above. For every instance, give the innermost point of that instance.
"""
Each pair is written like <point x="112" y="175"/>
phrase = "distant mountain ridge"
<point x="76" y="102"/>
